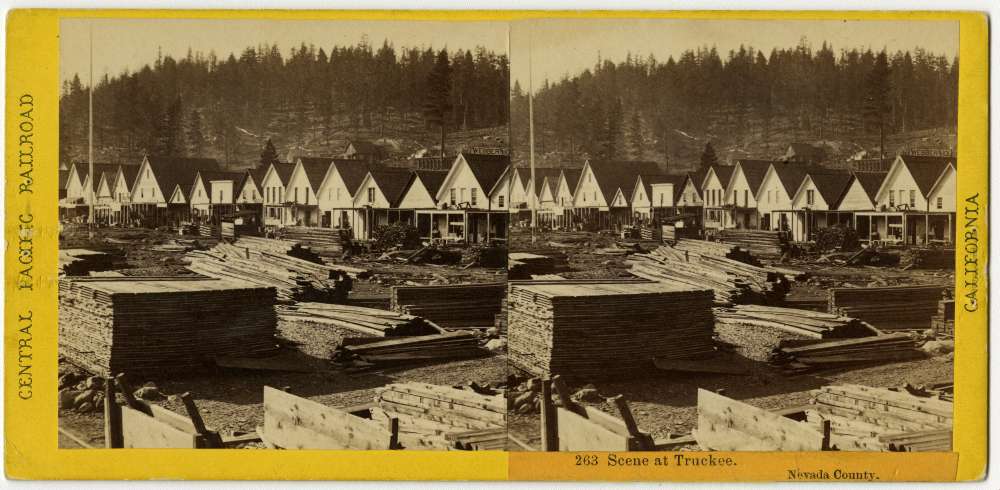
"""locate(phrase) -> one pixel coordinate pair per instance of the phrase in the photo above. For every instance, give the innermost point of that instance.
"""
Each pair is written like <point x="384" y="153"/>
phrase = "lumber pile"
<point x="803" y="323"/>
<point x="211" y="231"/>
<point x="452" y="306"/>
<point x="295" y="279"/>
<point x="435" y="255"/>
<point x="440" y="346"/>
<point x="890" y="307"/>
<point x="111" y="325"/>
<point x="281" y="247"/>
<point x="733" y="282"/>
<point x="80" y="262"/>
<point x="718" y="249"/>
<point x="651" y="233"/>
<point x="522" y="265"/>
<point x="597" y="329"/>
<point x="882" y="419"/>
<point x="933" y="258"/>
<point x="943" y="322"/>
<point x="762" y="243"/>
<point x="880" y="349"/>
<point x="442" y="417"/>
<point x="327" y="242"/>
<point x="370" y="321"/>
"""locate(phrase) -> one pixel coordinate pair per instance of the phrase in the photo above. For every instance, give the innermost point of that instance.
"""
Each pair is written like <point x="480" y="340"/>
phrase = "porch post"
<point x="927" y="225"/>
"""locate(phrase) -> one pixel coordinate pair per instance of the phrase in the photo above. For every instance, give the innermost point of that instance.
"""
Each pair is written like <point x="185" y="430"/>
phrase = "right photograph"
<point x="732" y="235"/>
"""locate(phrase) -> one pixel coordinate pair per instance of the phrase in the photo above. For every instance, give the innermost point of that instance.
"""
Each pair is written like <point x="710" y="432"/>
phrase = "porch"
<point x="462" y="225"/>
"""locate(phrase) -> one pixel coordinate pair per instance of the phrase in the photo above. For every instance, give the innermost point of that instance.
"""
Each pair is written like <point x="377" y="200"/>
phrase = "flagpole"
<point x="90" y="135"/>
<point x="531" y="144"/>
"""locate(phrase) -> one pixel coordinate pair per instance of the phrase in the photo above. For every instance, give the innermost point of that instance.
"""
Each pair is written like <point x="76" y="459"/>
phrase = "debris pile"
<point x="370" y="321"/>
<point x="802" y="323"/>
<point x="889" y="308"/>
<point x="943" y="322"/>
<point x="733" y="282"/>
<point x="362" y="353"/>
<point x="442" y="417"/>
<point x="453" y="306"/>
<point x="597" y="329"/>
<point x="295" y="279"/>
<point x="800" y="356"/>
<point x="863" y="418"/>
<point x="141" y="325"/>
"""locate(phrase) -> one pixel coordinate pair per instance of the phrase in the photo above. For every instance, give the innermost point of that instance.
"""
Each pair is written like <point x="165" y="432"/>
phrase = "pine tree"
<point x="437" y="105"/>
<point x="635" y="131"/>
<point x="169" y="132"/>
<point x="195" y="135"/>
<point x="708" y="157"/>
<point x="269" y="154"/>
<point x="615" y="137"/>
<point x="878" y="89"/>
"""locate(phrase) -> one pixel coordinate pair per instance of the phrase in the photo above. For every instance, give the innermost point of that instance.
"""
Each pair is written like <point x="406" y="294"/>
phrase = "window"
<point x="500" y="201"/>
<point x="474" y="195"/>
<point x="746" y="197"/>
<point x="371" y="194"/>
<point x="461" y="194"/>
<point x="338" y="193"/>
<point x="913" y="198"/>
<point x="141" y="192"/>
<point x="220" y="196"/>
<point x="296" y="194"/>
<point x="810" y="197"/>
<point x="452" y="200"/>
<point x="892" y="198"/>
<point x="940" y="203"/>
<point x="661" y="200"/>
<point x="735" y="200"/>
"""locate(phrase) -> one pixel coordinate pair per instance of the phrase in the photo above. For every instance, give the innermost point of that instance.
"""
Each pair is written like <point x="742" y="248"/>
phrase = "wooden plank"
<point x="142" y="431"/>
<point x="292" y="422"/>
<point x="725" y="424"/>
<point x="592" y="433"/>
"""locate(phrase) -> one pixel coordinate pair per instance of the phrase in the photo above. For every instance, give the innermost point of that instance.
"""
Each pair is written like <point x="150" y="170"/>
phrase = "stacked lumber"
<point x="295" y="279"/>
<point x="281" y="247"/>
<point x="651" y="233"/>
<point x="442" y="417"/>
<point x="718" y="249"/>
<point x="762" y="243"/>
<point x="803" y="323"/>
<point x="521" y="265"/>
<point x="110" y="325"/>
<point x="327" y="242"/>
<point x="880" y="349"/>
<point x="370" y="321"/>
<point x="943" y="322"/>
<point x="596" y="329"/>
<point x="733" y="282"/>
<point x="890" y="307"/>
<point x="882" y="419"/>
<point x="211" y="231"/>
<point x="447" y="345"/>
<point x="80" y="262"/>
<point x="452" y="306"/>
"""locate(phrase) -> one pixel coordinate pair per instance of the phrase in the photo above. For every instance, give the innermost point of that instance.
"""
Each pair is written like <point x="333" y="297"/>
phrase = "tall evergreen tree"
<point x="708" y="157"/>
<point x="635" y="133"/>
<point x="170" y="133"/>
<point x="195" y="135"/>
<point x="269" y="154"/>
<point x="437" y="105"/>
<point x="878" y="90"/>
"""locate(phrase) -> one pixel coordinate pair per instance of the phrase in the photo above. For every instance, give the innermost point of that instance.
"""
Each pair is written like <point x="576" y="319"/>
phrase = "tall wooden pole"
<point x="531" y="144"/>
<point x="90" y="137"/>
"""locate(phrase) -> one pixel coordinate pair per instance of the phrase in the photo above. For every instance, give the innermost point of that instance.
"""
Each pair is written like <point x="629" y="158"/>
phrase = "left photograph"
<point x="283" y="234"/>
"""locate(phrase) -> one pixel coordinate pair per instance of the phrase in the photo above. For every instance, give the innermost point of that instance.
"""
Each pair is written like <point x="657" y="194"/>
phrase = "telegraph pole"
<point x="531" y="145"/>
<point x="90" y="138"/>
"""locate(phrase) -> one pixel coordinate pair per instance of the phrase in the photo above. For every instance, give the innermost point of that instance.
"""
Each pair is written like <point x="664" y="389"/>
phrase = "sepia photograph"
<point x="732" y="235"/>
<point x="284" y="234"/>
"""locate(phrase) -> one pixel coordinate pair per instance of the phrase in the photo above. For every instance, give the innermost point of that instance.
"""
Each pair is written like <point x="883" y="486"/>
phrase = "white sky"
<point x="132" y="43"/>
<point x="568" y="46"/>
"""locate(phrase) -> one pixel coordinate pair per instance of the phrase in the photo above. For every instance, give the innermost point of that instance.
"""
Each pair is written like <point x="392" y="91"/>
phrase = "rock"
<point x="939" y="347"/>
<point x="492" y="332"/>
<point x="148" y="393"/>
<point x="86" y="396"/>
<point x="496" y="345"/>
<point x="66" y="397"/>
<point x="85" y="407"/>
<point x="69" y="379"/>
<point x="587" y="395"/>
<point x="94" y="383"/>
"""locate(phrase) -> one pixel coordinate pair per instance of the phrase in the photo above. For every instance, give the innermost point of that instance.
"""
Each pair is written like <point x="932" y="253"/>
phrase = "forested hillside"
<point x="309" y="102"/>
<point x="747" y="103"/>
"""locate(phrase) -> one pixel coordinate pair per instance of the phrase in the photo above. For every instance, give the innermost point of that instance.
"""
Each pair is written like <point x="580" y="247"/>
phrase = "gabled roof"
<point x="82" y="169"/>
<point x="173" y="171"/>
<point x="363" y="147"/>
<point x="129" y="173"/>
<point x="612" y="175"/>
<point x="805" y="151"/>
<point x="926" y="170"/>
<point x="392" y="182"/>
<point x="831" y="185"/>
<point x="541" y="174"/>
<point x="284" y="171"/>
<point x="315" y="169"/>
<point x="790" y="175"/>
<point x="572" y="176"/>
<point x="871" y="182"/>
<point x="649" y="179"/>
<point x="754" y="171"/>
<point x="487" y="168"/>
<point x="432" y="179"/>
<point x="352" y="172"/>
<point x="210" y="175"/>
<point x="63" y="178"/>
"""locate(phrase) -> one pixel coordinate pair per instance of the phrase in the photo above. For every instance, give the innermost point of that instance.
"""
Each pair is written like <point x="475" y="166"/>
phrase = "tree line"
<point x="640" y="107"/>
<point x="203" y="105"/>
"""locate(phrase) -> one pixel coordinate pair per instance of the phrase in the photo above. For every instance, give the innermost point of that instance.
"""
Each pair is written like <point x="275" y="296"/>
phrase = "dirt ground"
<point x="231" y="400"/>
<point x="665" y="403"/>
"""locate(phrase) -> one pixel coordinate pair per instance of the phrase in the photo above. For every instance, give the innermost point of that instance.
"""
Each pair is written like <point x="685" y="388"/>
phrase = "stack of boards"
<point x="798" y="356"/>
<point x="397" y="350"/>
<point x="729" y="251"/>
<point x="80" y="262"/>
<point x="454" y="306"/>
<point x="442" y="417"/>
<point x="863" y="418"/>
<point x="890" y="307"/>
<point x="801" y="323"/>
<point x="762" y="243"/>
<point x="327" y="242"/>
<point x="295" y="279"/>
<point x="152" y="325"/>
<point x="733" y="282"/>
<point x="598" y="329"/>
<point x="369" y="321"/>
<point x="522" y="265"/>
